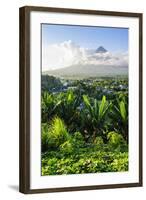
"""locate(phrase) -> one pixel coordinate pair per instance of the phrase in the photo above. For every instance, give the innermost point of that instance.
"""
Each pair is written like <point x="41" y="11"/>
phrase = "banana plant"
<point x="94" y="116"/>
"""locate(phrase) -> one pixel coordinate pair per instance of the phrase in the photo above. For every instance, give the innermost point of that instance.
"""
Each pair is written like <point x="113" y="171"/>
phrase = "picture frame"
<point x="31" y="19"/>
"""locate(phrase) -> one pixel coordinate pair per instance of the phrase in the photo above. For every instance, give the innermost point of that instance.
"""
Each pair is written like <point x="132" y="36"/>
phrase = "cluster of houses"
<point x="101" y="89"/>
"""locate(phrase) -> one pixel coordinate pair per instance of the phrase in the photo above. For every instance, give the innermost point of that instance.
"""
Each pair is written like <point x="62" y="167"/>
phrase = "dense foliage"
<point x="84" y="125"/>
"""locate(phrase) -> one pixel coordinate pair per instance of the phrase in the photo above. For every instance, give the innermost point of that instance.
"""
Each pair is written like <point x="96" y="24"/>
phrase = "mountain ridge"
<point x="89" y="71"/>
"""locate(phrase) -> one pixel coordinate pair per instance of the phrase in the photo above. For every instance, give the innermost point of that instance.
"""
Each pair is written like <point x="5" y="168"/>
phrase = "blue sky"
<point x="113" y="39"/>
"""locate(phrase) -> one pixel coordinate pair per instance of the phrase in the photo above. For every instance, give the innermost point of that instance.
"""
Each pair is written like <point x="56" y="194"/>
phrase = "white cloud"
<point x="68" y="53"/>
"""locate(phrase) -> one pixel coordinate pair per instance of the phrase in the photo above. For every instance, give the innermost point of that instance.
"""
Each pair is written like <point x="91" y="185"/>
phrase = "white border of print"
<point x="132" y="176"/>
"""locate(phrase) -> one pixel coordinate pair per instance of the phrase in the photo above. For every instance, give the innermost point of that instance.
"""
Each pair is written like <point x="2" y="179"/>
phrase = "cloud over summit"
<point x="67" y="53"/>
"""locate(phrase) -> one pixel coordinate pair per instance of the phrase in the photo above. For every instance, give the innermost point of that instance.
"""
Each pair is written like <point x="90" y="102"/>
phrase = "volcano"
<point x="101" y="49"/>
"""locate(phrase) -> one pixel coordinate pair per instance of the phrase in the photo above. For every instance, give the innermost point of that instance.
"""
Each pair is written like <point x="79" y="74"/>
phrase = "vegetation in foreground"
<point x="84" y="125"/>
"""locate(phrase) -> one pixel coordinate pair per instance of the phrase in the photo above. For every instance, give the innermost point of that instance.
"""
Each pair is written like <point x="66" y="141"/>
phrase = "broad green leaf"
<point x="123" y="110"/>
<point x="102" y="107"/>
<point x="95" y="108"/>
<point x="70" y="97"/>
<point x="86" y="100"/>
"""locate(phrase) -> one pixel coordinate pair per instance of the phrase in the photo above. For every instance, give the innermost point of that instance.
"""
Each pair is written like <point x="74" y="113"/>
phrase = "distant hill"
<point x="49" y="82"/>
<point x="85" y="71"/>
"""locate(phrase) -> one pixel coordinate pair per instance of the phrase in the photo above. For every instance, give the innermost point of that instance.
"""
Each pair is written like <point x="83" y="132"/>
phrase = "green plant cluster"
<point x="72" y="155"/>
<point x="85" y="127"/>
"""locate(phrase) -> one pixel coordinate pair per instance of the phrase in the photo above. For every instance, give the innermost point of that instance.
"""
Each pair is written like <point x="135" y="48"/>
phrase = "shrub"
<point x="54" y="134"/>
<point x="57" y="133"/>
<point x="78" y="140"/>
<point x="120" y="164"/>
<point x="115" y="140"/>
<point x="44" y="137"/>
<point x="73" y="143"/>
<point x="66" y="147"/>
<point x="98" y="142"/>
